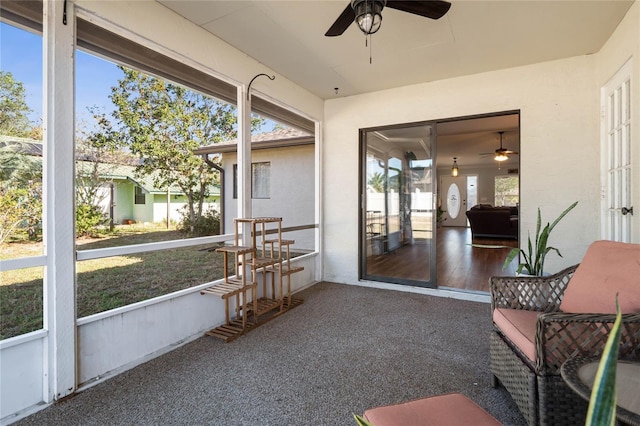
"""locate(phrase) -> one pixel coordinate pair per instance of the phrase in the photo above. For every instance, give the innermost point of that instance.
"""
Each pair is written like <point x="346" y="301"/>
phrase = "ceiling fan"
<point x="501" y="154"/>
<point x="367" y="13"/>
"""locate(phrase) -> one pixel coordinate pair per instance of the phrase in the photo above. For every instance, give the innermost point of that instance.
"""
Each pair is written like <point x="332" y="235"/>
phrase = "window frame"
<point x="253" y="179"/>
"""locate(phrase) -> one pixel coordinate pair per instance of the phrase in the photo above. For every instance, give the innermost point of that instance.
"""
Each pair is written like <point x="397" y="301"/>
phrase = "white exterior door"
<point x="617" y="176"/>
<point x="454" y="191"/>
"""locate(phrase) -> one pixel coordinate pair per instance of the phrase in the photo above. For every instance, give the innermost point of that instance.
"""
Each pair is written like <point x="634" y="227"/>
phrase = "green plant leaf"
<point x="563" y="214"/>
<point x="361" y="421"/>
<point x="534" y="255"/>
<point x="538" y="223"/>
<point x="602" y="405"/>
<point x="512" y="255"/>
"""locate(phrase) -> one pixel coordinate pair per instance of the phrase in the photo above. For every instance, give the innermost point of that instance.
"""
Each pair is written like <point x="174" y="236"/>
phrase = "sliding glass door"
<point x="397" y="213"/>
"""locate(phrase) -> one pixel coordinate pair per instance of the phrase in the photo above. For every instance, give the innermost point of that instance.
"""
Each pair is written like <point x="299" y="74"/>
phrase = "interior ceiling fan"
<point x="501" y="154"/>
<point x="367" y="13"/>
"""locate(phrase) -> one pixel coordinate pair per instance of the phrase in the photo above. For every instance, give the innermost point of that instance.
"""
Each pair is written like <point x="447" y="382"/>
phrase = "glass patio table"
<point x="580" y="373"/>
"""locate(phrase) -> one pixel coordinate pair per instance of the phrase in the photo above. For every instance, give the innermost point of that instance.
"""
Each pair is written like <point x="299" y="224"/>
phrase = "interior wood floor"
<point x="459" y="266"/>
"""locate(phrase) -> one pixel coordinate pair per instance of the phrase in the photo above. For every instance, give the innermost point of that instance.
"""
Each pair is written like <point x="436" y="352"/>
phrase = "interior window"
<point x="507" y="191"/>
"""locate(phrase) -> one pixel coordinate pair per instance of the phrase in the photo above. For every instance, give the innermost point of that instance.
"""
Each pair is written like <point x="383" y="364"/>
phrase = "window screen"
<point x="103" y="42"/>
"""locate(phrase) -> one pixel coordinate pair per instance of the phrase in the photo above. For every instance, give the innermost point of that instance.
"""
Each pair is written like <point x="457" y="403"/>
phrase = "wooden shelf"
<point x="228" y="288"/>
<point x="248" y="265"/>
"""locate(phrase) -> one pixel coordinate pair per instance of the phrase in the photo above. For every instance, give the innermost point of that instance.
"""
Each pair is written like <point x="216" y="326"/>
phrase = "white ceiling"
<point x="474" y="36"/>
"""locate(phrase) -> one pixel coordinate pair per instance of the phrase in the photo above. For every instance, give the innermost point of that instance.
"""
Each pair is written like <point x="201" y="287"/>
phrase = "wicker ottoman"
<point x="452" y="409"/>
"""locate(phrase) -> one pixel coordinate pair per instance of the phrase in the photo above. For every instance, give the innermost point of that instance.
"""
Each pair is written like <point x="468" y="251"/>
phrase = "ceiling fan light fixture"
<point x="500" y="157"/>
<point x="368" y="14"/>
<point x="454" y="169"/>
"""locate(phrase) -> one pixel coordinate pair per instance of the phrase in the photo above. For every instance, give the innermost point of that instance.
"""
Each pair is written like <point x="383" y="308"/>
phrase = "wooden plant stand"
<point x="264" y="256"/>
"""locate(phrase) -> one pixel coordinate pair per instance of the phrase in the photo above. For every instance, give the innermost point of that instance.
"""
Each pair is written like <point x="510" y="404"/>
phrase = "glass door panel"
<point x="398" y="216"/>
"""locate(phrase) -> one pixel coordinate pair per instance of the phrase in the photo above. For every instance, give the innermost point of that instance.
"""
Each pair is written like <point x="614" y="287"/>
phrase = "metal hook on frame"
<point x="270" y="77"/>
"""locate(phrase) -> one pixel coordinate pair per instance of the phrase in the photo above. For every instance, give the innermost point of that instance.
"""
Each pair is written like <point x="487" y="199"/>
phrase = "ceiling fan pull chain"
<point x="370" y="48"/>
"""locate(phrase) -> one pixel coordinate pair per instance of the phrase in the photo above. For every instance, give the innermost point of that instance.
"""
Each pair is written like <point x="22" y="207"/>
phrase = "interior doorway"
<point x="476" y="143"/>
<point x="413" y="223"/>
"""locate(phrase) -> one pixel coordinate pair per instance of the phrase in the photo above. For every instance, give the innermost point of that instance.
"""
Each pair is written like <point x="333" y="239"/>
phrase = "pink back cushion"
<point x="607" y="268"/>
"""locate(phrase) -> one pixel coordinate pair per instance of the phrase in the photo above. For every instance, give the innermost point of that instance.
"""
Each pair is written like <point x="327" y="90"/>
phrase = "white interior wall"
<point x="486" y="180"/>
<point x="622" y="46"/>
<point x="558" y="103"/>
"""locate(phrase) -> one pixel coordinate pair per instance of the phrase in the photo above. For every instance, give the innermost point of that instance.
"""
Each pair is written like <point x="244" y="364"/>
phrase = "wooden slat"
<point x="286" y="270"/>
<point x="230" y="332"/>
<point x="235" y="249"/>
<point x="282" y="242"/>
<point x="226" y="290"/>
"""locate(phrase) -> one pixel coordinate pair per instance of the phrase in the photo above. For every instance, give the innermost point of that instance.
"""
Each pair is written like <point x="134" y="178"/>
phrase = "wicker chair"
<point x="530" y="371"/>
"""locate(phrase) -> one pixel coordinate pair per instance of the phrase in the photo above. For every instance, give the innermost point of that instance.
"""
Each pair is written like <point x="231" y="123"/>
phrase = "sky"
<point x="21" y="54"/>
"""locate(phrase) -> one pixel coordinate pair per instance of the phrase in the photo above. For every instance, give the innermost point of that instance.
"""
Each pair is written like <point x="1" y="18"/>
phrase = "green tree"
<point x="20" y="189"/>
<point x="163" y="123"/>
<point x="506" y="190"/>
<point x="376" y="182"/>
<point x="98" y="154"/>
<point x="14" y="111"/>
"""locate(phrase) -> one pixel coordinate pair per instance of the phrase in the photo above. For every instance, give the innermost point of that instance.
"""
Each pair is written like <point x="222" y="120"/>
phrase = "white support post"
<point x="244" y="160"/>
<point x="319" y="245"/>
<point x="59" y="211"/>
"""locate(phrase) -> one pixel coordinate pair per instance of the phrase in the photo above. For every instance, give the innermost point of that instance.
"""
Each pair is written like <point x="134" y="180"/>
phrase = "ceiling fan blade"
<point x="435" y="9"/>
<point x="345" y="19"/>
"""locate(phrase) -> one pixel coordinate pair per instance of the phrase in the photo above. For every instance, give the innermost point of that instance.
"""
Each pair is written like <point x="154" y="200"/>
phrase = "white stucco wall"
<point x="292" y="194"/>
<point x="558" y="103"/>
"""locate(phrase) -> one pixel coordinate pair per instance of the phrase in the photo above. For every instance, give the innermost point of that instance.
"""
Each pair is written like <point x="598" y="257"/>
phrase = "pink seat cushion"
<point x="520" y="327"/>
<point x="607" y="268"/>
<point x="452" y="409"/>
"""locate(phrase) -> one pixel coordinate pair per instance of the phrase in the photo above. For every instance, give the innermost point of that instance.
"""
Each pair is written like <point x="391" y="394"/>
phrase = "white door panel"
<point x="617" y="173"/>
<point x="454" y="192"/>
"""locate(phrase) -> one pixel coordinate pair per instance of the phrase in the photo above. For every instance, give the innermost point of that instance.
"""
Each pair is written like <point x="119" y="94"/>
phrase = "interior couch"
<point x="493" y="222"/>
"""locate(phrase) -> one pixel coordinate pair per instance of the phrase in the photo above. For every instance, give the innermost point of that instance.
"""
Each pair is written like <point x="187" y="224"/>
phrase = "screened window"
<point x="21" y="183"/>
<point x="139" y="197"/>
<point x="260" y="180"/>
<point x="140" y="115"/>
<point x="137" y="130"/>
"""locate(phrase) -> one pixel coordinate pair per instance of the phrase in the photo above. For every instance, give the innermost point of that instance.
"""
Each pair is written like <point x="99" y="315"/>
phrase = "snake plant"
<point x="533" y="257"/>
<point x="536" y="251"/>
<point x="602" y="405"/>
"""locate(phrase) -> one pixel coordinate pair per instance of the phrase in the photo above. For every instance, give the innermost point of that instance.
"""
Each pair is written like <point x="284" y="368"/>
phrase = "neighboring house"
<point x="282" y="183"/>
<point x="124" y="196"/>
<point x="136" y="199"/>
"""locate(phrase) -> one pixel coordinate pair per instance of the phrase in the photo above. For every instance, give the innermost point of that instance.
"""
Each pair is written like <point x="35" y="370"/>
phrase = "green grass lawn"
<point x="108" y="283"/>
